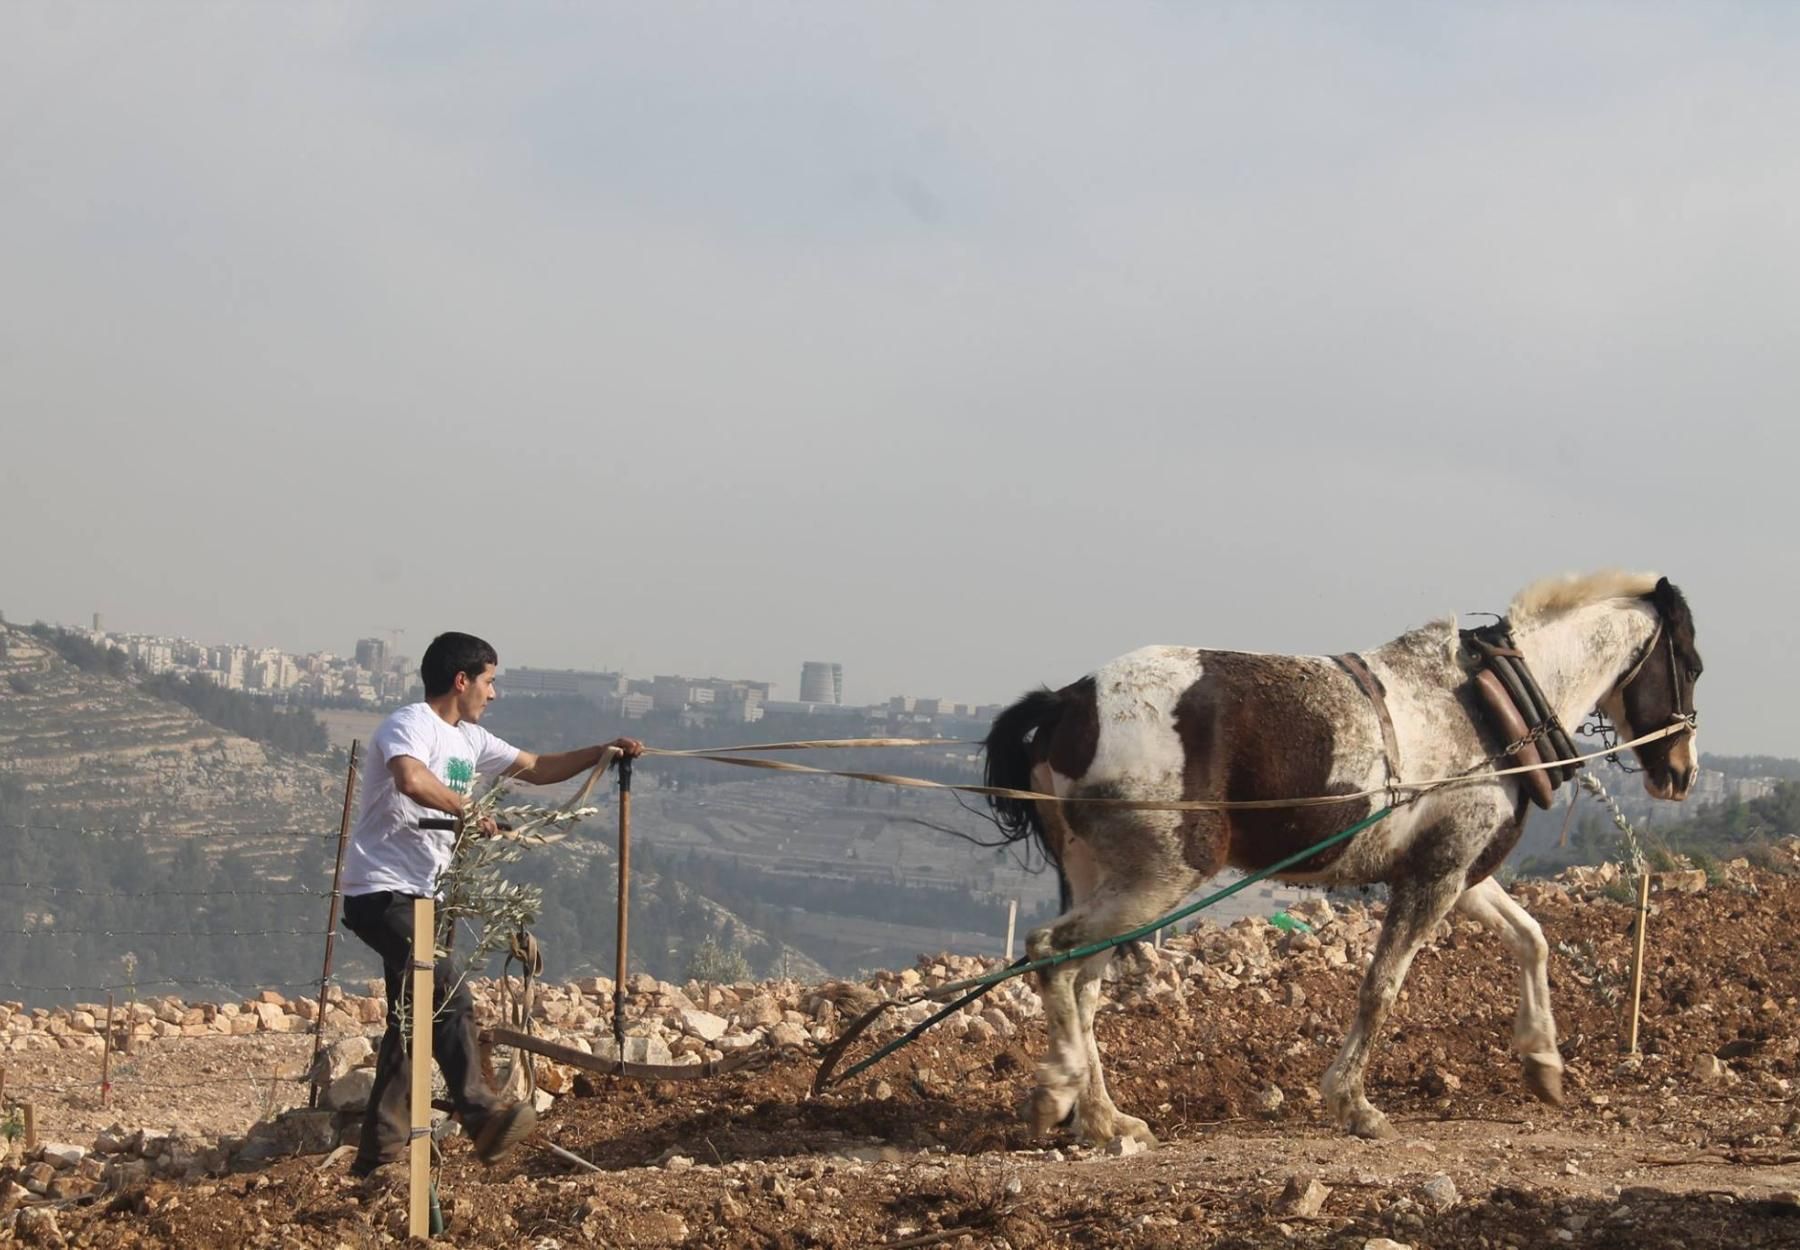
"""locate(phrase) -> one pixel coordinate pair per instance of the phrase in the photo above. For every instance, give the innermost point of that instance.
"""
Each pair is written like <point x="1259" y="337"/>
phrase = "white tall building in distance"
<point x="821" y="681"/>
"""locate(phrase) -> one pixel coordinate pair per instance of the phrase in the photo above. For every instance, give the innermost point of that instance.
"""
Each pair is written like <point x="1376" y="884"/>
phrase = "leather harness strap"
<point x="1521" y="715"/>
<point x="1358" y="668"/>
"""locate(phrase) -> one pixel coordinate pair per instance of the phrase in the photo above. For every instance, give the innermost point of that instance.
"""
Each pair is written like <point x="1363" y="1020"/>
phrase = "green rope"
<point x="982" y="984"/>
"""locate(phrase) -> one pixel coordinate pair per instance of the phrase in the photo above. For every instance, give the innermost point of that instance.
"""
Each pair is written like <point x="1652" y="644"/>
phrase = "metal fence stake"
<point x="337" y="878"/>
<point x="624" y="902"/>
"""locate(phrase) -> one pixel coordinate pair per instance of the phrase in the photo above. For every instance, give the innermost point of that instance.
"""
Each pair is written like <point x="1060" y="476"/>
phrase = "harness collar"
<point x="1518" y="713"/>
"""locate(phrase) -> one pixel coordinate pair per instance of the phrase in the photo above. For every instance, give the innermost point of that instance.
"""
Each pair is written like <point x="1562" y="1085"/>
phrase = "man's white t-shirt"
<point x="388" y="850"/>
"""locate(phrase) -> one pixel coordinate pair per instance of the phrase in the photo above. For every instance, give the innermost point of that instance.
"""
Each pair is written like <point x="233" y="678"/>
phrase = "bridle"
<point x="1602" y="728"/>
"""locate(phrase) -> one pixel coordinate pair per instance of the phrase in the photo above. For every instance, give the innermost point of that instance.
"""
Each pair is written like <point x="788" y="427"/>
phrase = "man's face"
<point x="474" y="694"/>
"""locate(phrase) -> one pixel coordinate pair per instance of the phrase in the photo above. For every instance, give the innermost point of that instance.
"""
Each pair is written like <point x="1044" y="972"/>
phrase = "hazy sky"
<point x="966" y="344"/>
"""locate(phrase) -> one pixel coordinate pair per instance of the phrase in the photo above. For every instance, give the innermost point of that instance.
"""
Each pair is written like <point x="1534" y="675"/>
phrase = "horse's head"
<point x="1658" y="690"/>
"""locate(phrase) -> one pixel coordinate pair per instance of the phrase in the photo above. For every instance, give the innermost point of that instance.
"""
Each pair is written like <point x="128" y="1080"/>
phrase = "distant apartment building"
<point x="1713" y="786"/>
<point x="669" y="693"/>
<point x="153" y="656"/>
<point x="276" y="672"/>
<point x="227" y="666"/>
<point x="599" y="687"/>
<point x="821" y="681"/>
<point x="372" y="654"/>
<point x="701" y="700"/>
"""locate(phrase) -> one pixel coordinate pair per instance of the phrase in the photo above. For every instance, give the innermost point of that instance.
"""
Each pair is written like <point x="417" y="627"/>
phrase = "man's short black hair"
<point x="450" y="654"/>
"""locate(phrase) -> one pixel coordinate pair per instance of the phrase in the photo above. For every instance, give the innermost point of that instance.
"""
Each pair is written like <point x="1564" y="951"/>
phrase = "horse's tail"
<point x="1010" y="758"/>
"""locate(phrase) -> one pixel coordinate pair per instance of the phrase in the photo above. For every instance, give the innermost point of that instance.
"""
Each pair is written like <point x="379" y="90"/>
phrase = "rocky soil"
<point x="1218" y="1039"/>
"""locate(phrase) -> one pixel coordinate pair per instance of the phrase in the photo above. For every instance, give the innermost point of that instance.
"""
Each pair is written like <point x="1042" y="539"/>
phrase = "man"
<point x="419" y="775"/>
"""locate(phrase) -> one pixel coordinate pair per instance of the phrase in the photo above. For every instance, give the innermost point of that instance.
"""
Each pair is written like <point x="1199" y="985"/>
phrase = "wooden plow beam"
<point x="749" y="1059"/>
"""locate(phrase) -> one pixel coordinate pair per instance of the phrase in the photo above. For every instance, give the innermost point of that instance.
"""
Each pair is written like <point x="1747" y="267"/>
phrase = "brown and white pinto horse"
<point x="1175" y="723"/>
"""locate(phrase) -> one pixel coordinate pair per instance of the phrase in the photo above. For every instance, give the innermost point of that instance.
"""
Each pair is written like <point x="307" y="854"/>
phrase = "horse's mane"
<point x="1555" y="595"/>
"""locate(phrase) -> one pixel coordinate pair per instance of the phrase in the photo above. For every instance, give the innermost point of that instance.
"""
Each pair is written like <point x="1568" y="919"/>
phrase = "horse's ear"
<point x="1673" y="606"/>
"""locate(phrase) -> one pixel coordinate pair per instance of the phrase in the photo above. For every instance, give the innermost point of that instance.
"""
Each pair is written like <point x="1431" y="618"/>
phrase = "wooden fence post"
<point x="106" y="1056"/>
<point x="423" y="959"/>
<point x="1637" y="957"/>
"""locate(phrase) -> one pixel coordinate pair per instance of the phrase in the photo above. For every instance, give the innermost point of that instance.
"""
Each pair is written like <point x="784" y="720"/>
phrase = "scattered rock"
<point x="1303" y="1197"/>
<point x="1439" y="1193"/>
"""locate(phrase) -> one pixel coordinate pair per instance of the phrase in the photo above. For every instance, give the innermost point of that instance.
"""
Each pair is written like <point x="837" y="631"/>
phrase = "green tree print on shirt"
<point x="459" y="775"/>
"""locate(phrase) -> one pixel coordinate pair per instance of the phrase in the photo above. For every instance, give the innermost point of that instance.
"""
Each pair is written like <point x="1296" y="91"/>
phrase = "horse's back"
<point x="1180" y="722"/>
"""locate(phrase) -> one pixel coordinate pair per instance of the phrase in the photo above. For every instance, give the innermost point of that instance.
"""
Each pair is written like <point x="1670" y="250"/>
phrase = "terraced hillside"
<point x="95" y="750"/>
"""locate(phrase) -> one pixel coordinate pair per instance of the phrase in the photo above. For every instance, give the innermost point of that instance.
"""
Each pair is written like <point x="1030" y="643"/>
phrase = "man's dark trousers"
<point x="384" y="921"/>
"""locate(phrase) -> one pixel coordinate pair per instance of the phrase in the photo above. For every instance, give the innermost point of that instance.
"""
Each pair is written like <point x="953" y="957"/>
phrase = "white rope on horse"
<point x="719" y="756"/>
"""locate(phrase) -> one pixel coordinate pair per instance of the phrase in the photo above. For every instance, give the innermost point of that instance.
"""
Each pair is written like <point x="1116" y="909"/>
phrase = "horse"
<point x="1169" y="723"/>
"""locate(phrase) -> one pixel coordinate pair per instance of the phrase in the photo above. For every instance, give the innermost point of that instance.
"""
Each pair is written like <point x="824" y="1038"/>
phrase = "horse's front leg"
<point x="1413" y="908"/>
<point x="1534" y="1028"/>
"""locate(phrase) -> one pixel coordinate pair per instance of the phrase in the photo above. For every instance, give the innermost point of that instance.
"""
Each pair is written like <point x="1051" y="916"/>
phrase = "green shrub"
<point x="716" y="963"/>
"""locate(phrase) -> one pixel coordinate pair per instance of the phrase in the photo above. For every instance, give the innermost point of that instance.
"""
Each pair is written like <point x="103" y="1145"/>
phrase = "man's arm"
<point x="547" y="770"/>
<point x="418" y="783"/>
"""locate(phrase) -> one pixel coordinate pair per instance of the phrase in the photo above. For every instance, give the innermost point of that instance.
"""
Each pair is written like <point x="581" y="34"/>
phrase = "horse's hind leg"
<point x="1065" y="1062"/>
<point x="1096" y="1118"/>
<point x="1071" y="1077"/>
<point x="1413" y="908"/>
<point x="1534" y="1029"/>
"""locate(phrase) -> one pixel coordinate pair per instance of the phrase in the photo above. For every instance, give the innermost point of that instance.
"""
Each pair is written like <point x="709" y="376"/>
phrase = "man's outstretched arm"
<point x="547" y="770"/>
<point x="419" y="784"/>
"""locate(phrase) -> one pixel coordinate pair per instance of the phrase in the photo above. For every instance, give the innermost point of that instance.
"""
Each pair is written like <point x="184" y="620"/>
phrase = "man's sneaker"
<point x="502" y="1129"/>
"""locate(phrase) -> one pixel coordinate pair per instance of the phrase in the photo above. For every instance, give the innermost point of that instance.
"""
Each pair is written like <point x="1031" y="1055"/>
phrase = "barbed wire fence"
<point x="168" y="1003"/>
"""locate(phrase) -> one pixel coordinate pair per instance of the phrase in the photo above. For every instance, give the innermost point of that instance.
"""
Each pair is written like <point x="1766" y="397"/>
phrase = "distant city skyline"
<point x="369" y="648"/>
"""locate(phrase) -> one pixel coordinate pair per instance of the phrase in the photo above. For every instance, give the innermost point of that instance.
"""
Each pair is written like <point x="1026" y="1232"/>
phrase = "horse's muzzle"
<point x="1671" y="783"/>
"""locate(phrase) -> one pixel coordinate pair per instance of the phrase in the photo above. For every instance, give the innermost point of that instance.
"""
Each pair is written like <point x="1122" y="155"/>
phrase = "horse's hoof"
<point x="1371" y="1125"/>
<point x="1134" y="1128"/>
<point x="1047" y="1112"/>
<point x="1544" y="1080"/>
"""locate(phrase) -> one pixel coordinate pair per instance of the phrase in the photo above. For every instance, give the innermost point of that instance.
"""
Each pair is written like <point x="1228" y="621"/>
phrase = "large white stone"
<point x="338" y="1059"/>
<point x="61" y="1155"/>
<point x="350" y="1090"/>
<point x="703" y="1024"/>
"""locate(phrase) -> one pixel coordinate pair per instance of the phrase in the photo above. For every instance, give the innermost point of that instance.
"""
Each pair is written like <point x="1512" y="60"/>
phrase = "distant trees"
<point x="1720" y="831"/>
<point x="87" y="656"/>
<point x="717" y="962"/>
<point x="292" y="729"/>
<point x="123" y="908"/>
<point x="1753" y="766"/>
